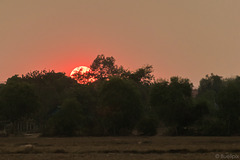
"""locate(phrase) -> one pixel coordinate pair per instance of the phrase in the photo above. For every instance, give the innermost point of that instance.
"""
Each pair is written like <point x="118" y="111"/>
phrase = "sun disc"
<point x="81" y="70"/>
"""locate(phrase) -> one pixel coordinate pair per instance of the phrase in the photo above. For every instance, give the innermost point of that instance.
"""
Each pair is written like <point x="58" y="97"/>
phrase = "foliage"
<point x="143" y="75"/>
<point x="212" y="82"/>
<point x="229" y="105"/>
<point x="120" y="106"/>
<point x="87" y="96"/>
<point x="66" y="121"/>
<point x="200" y="109"/>
<point x="221" y="97"/>
<point x="120" y="101"/>
<point x="18" y="99"/>
<point x="172" y="102"/>
<point x="148" y="125"/>
<point x="51" y="89"/>
<point x="103" y="68"/>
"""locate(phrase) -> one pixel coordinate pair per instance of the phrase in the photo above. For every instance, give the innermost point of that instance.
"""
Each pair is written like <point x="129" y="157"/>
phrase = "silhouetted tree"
<point x="172" y="101"/>
<point x="120" y="106"/>
<point x="18" y="99"/>
<point x="66" y="121"/>
<point x="212" y="82"/>
<point x="206" y="106"/>
<point x="104" y="68"/>
<point x="51" y="89"/>
<point x="148" y="124"/>
<point x="87" y="96"/>
<point x="120" y="101"/>
<point x="228" y="100"/>
<point x="143" y="75"/>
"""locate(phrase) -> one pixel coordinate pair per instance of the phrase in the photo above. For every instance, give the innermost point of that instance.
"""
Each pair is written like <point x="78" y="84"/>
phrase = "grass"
<point x="116" y="148"/>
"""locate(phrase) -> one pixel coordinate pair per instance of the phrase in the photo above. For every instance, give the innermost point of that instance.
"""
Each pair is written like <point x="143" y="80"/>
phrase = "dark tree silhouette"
<point x="143" y="75"/>
<point x="212" y="82"/>
<point x="228" y="100"/>
<point x="120" y="106"/>
<point x="104" y="68"/>
<point x="67" y="121"/>
<point x="172" y="102"/>
<point x="18" y="99"/>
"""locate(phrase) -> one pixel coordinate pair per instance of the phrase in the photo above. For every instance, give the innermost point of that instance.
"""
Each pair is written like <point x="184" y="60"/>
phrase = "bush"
<point x="67" y="121"/>
<point x="148" y="126"/>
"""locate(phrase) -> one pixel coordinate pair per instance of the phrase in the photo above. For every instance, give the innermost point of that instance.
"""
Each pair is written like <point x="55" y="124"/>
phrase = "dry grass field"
<point x="120" y="148"/>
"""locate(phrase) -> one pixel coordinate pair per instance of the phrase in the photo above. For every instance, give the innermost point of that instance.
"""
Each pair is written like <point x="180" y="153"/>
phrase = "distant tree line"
<point x="120" y="101"/>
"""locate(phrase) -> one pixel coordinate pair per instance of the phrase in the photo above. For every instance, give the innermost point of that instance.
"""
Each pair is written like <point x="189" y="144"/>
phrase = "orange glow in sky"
<point x="178" y="38"/>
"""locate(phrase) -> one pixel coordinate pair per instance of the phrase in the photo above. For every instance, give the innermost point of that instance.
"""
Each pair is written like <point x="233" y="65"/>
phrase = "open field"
<point x="116" y="148"/>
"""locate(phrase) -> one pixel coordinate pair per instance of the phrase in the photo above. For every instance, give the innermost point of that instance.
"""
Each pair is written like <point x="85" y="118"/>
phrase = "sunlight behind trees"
<point x="119" y="102"/>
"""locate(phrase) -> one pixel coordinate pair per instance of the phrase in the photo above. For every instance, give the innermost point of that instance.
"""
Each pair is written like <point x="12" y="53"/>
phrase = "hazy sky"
<point x="188" y="38"/>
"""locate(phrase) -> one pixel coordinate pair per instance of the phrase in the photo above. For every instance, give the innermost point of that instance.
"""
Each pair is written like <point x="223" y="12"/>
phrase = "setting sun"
<point x="80" y="71"/>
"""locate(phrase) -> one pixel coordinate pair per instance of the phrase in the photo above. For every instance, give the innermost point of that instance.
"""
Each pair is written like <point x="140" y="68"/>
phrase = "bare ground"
<point x="117" y="148"/>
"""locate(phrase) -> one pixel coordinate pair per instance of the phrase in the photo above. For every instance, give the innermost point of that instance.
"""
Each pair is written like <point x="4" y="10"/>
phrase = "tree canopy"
<point x="120" y="102"/>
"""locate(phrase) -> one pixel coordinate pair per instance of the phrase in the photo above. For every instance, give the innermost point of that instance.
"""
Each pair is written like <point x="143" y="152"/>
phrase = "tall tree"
<point x="104" y="68"/>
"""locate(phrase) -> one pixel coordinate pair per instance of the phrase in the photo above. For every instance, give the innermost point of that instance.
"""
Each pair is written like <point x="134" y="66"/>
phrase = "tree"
<point x="120" y="106"/>
<point x="87" y="96"/>
<point x="101" y="69"/>
<point x="212" y="82"/>
<point x="143" y="75"/>
<point x="228" y="100"/>
<point x="51" y="89"/>
<point x="209" y="88"/>
<point x="104" y="67"/>
<point x="148" y="125"/>
<point x="172" y="101"/>
<point x="18" y="99"/>
<point x="66" y="121"/>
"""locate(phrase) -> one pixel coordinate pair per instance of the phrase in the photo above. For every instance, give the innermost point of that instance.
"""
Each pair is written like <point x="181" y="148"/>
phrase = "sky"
<point x="186" y="38"/>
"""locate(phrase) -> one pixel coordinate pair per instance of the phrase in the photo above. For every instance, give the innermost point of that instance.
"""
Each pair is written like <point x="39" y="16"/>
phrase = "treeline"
<point x="120" y="101"/>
